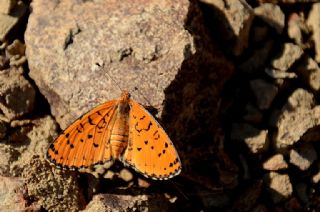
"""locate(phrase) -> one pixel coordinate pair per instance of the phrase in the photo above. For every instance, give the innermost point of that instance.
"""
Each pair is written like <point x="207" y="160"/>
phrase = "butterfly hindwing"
<point x="84" y="142"/>
<point x="149" y="150"/>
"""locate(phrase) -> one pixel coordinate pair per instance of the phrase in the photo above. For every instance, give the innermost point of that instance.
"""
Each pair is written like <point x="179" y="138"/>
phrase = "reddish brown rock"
<point x="100" y="48"/>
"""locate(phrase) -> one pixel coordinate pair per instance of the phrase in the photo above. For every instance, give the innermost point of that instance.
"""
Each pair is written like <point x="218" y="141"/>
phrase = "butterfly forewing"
<point x="84" y="142"/>
<point x="149" y="151"/>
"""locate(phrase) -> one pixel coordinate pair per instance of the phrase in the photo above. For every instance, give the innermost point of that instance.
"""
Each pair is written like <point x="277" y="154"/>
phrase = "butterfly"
<point x="119" y="129"/>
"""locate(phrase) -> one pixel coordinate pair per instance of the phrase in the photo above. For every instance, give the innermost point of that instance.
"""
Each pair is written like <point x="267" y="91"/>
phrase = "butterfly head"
<point x="125" y="96"/>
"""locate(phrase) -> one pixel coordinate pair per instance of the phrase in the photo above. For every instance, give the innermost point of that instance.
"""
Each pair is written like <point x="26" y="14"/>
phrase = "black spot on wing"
<point x="90" y="121"/>
<point x="142" y="117"/>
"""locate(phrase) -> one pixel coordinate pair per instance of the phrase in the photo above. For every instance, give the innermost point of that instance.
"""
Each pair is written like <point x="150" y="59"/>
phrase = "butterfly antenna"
<point x="117" y="84"/>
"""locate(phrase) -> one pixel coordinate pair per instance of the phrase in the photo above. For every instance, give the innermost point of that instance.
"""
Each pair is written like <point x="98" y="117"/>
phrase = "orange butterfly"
<point x="118" y="129"/>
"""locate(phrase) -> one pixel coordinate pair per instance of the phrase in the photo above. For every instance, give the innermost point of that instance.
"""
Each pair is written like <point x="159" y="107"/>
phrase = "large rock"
<point x="81" y="53"/>
<point x="84" y="53"/>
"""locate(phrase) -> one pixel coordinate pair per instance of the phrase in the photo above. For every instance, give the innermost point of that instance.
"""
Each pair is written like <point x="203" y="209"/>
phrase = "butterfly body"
<point x="116" y="130"/>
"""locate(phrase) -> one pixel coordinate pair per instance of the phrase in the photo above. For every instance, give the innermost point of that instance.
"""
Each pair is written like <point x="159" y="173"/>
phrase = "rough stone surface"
<point x="126" y="175"/>
<point x="255" y="139"/>
<point x="275" y="163"/>
<point x="80" y="60"/>
<point x="12" y="194"/>
<point x="313" y="22"/>
<point x="297" y="116"/>
<point x="109" y="202"/>
<point x="303" y="157"/>
<point x="80" y="53"/>
<point x="277" y="74"/>
<point x="257" y="62"/>
<point x="8" y="155"/>
<point x="252" y="114"/>
<point x="272" y="15"/>
<point x="7" y="22"/>
<point x="297" y="28"/>
<point x="264" y="92"/>
<point x="236" y="19"/>
<point x="309" y="71"/>
<point x="41" y="134"/>
<point x="289" y="54"/>
<point x="6" y="6"/>
<point x="3" y="129"/>
<point x="113" y="202"/>
<point x="15" y="52"/>
<point x="280" y="187"/>
<point x="248" y="198"/>
<point x="16" y="94"/>
<point x="316" y="178"/>
<point x="53" y="190"/>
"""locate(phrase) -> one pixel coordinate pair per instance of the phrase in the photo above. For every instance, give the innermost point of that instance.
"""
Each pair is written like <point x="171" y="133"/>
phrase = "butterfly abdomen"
<point x="120" y="129"/>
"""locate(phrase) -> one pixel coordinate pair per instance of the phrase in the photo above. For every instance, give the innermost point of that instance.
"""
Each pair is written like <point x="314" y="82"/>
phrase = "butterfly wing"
<point x="150" y="150"/>
<point x="85" y="142"/>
